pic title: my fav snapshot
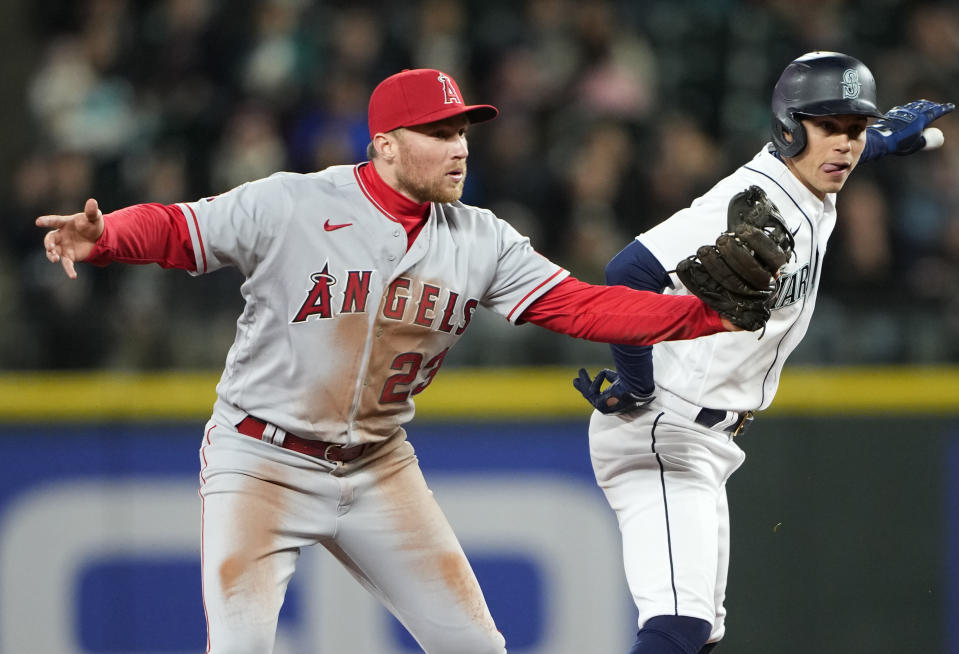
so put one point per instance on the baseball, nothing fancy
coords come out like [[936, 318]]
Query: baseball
[[934, 138]]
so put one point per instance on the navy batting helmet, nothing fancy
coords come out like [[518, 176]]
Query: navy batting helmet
[[819, 84]]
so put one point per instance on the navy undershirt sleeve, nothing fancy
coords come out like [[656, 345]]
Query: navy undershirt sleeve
[[636, 267]]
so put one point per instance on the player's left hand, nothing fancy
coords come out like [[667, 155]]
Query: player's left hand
[[615, 399], [905, 129]]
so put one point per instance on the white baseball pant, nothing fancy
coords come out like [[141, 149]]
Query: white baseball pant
[[262, 503], [665, 477]]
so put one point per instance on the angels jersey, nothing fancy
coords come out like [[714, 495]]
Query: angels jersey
[[343, 323]]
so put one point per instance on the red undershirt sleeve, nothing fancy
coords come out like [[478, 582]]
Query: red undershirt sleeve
[[145, 233], [617, 314]]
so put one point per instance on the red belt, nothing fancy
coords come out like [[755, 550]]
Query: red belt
[[335, 452]]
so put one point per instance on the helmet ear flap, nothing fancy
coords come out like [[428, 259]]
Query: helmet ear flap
[[788, 124]]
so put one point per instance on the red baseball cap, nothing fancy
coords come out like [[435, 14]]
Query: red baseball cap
[[422, 95]]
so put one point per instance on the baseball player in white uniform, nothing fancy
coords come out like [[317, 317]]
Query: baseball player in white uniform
[[663, 436], [358, 280]]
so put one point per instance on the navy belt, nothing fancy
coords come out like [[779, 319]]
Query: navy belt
[[335, 452], [709, 418]]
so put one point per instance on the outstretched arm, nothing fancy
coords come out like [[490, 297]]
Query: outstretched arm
[[616, 314], [72, 238], [140, 234], [905, 130]]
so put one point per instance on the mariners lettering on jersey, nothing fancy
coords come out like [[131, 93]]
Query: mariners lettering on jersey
[[449, 93], [791, 286], [427, 310]]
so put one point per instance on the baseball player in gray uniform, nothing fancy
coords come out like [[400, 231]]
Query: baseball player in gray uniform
[[662, 437], [358, 280]]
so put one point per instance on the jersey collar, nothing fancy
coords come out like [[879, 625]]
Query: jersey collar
[[393, 204]]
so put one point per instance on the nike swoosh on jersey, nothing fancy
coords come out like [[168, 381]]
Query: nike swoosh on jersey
[[328, 226]]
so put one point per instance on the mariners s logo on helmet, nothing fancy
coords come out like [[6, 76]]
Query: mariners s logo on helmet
[[450, 96], [851, 85]]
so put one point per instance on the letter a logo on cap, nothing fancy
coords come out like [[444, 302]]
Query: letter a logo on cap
[[450, 96], [410, 98]]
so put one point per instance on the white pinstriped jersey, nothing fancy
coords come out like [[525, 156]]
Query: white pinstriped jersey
[[740, 371], [342, 325]]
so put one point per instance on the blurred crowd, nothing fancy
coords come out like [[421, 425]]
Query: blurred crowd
[[614, 114]]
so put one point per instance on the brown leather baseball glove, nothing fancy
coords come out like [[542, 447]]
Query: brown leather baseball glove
[[736, 276]]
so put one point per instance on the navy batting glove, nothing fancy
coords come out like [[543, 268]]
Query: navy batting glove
[[899, 132], [615, 399]]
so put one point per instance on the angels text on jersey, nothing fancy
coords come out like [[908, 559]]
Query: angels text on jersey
[[433, 307]]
